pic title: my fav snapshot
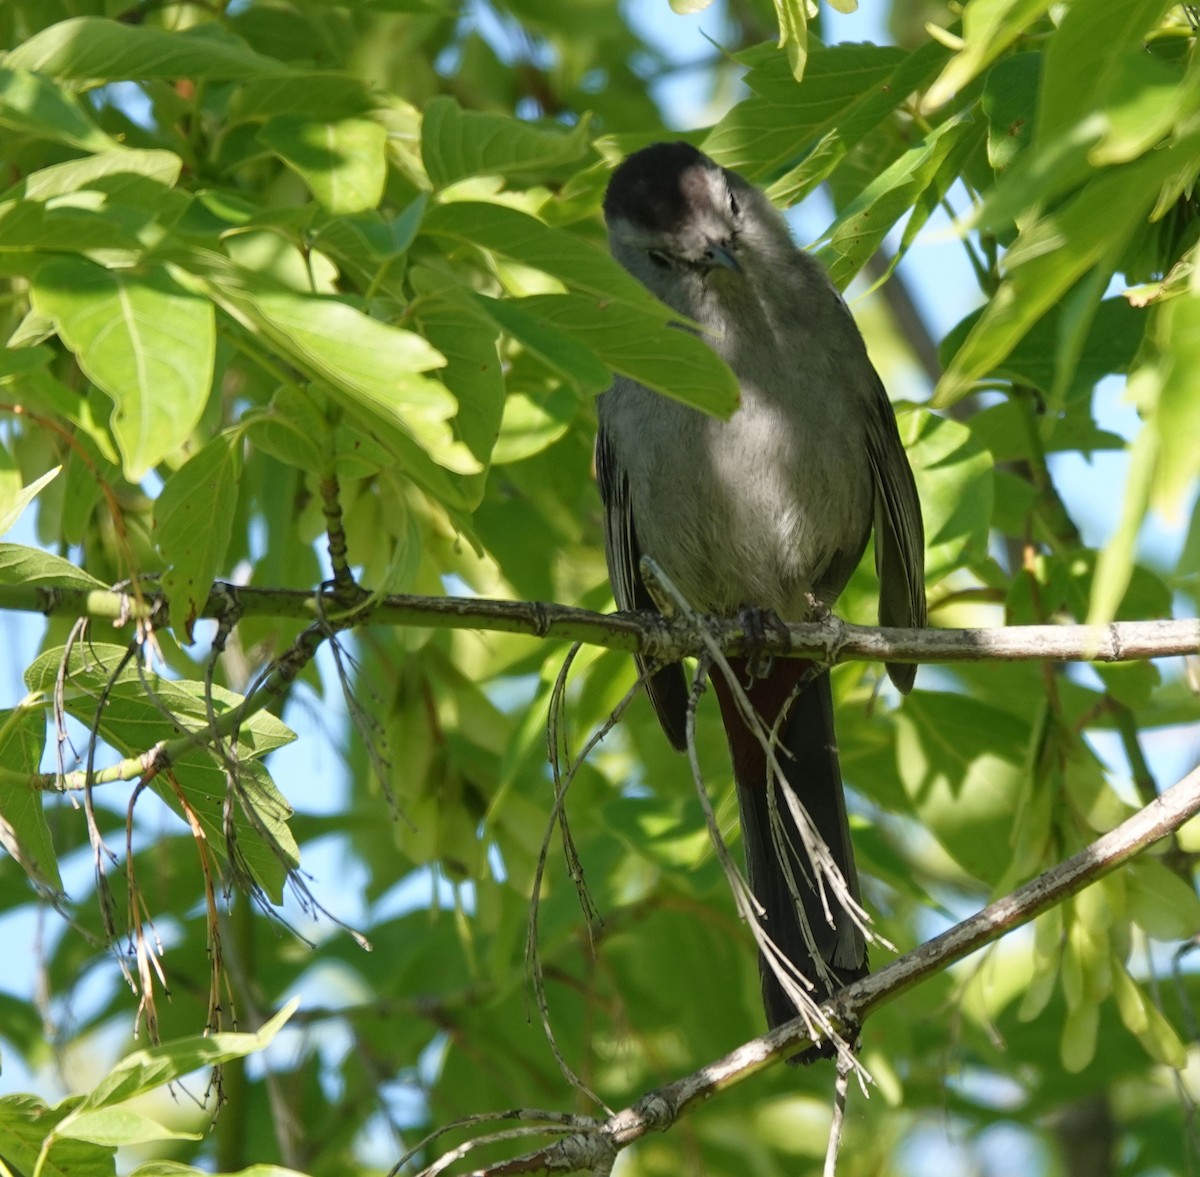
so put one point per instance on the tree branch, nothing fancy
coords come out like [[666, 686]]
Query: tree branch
[[830, 641], [659, 1109]]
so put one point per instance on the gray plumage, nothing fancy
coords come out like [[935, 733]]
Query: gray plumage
[[771, 509]]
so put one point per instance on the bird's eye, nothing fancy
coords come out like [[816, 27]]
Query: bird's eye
[[660, 258], [734, 207]]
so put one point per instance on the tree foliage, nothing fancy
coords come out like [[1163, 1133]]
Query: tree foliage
[[308, 294]]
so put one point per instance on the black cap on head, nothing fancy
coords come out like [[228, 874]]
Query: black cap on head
[[657, 186]]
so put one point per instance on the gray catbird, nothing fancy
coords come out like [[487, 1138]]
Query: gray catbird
[[768, 512]]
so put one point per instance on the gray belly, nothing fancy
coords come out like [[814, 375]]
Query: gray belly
[[755, 511]]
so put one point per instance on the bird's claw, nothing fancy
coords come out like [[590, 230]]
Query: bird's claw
[[755, 624]]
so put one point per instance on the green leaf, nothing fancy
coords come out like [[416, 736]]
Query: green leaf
[[23, 829], [291, 429], [88, 474], [116, 173], [807, 131], [672, 362], [953, 469], [175, 1169], [91, 47], [193, 522], [112, 207], [560, 352], [264, 845], [456, 143], [1080, 65], [19, 361], [1145, 100], [31, 566], [1176, 419], [26, 1121], [320, 94], [1131, 683], [1077, 1046], [531, 425], [962, 764], [14, 497], [33, 105], [451, 321], [372, 369], [793, 33], [146, 1070], [343, 162], [141, 709], [145, 340], [118, 1127], [1009, 102], [989, 28], [1051, 255], [525, 239], [861, 228], [1112, 341], [1165, 907]]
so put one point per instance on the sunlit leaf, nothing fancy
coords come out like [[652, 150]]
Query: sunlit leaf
[[156, 1066], [862, 226], [527, 240], [33, 105], [793, 33], [376, 371], [962, 765], [1176, 420], [989, 27], [92, 47], [1049, 257], [145, 340], [953, 470], [342, 162], [1080, 64], [118, 1127], [457, 143], [28, 566], [14, 497]]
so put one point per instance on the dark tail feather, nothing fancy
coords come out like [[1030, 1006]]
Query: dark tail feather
[[808, 755]]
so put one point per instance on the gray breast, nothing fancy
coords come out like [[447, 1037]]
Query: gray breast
[[759, 510]]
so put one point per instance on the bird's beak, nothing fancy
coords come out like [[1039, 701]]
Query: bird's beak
[[718, 255]]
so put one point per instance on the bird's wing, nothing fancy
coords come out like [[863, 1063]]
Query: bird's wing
[[666, 685], [899, 531]]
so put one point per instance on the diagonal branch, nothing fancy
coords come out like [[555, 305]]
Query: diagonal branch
[[658, 1110]]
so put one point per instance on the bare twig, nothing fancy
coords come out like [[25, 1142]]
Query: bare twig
[[562, 782]]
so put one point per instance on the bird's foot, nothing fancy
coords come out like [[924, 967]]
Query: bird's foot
[[756, 623]]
